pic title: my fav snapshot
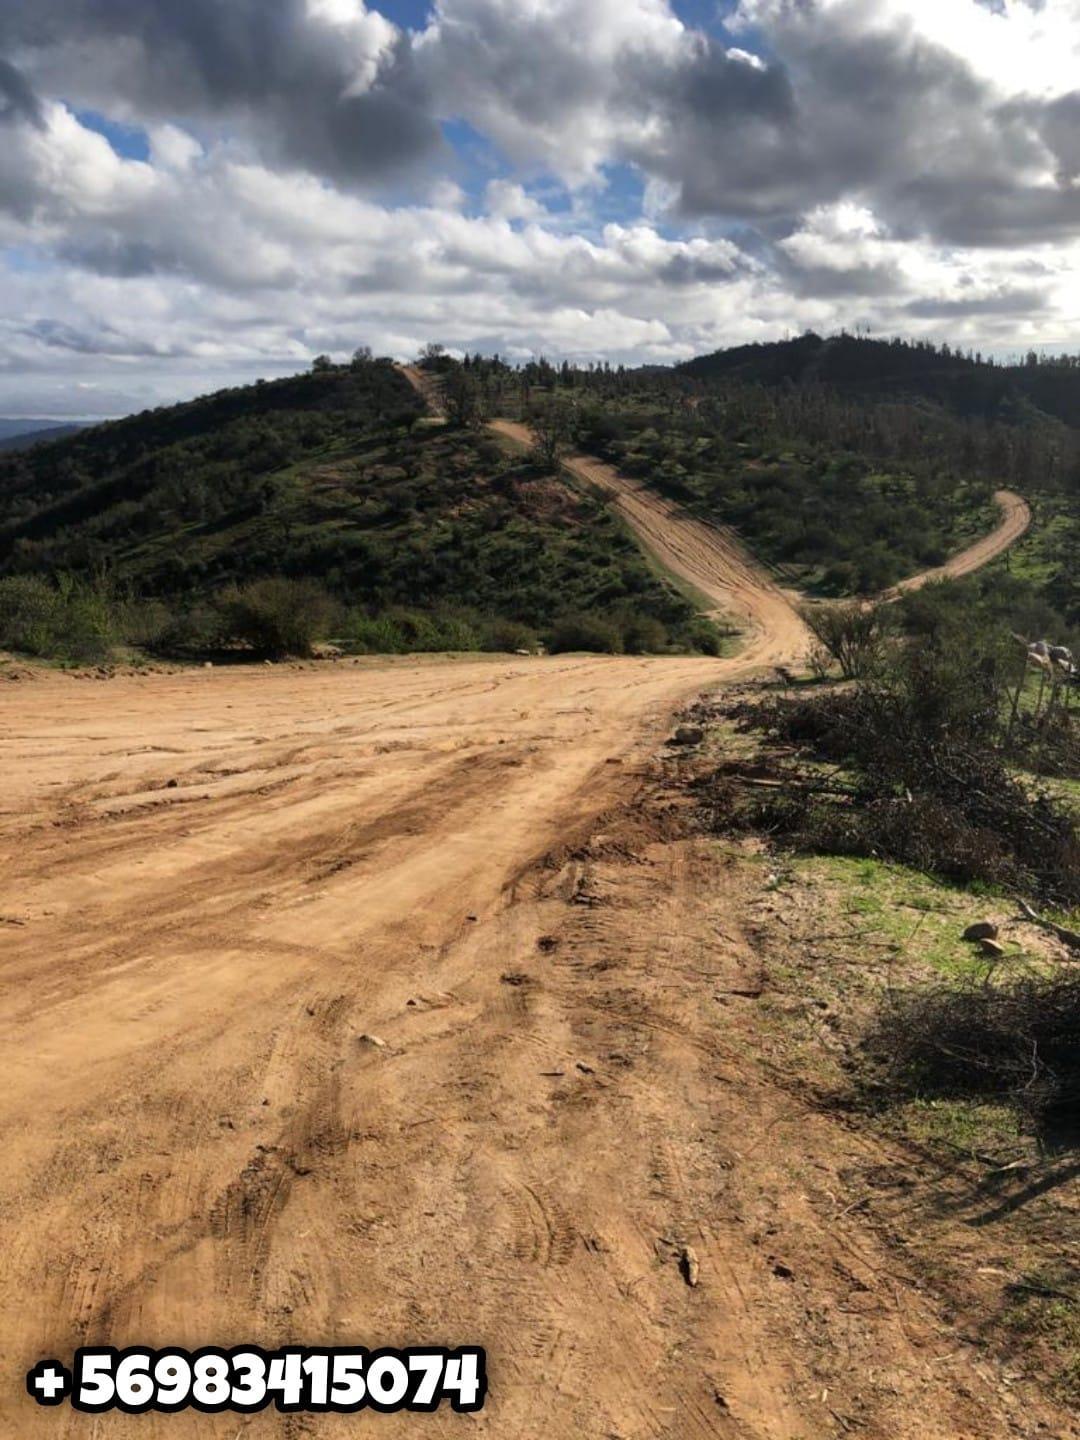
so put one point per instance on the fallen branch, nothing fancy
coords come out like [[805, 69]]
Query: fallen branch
[[1067, 937]]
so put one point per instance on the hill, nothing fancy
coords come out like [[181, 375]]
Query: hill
[[965, 384], [329, 477], [21, 434]]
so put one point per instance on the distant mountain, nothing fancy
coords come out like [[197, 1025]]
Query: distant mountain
[[886, 369], [20, 434]]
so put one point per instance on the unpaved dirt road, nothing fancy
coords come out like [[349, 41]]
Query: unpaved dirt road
[[1015, 522], [707, 557], [715, 563], [218, 886]]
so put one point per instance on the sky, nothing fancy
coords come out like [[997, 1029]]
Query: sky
[[196, 193]]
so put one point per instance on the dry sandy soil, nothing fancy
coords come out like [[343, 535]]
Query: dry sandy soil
[[360, 1004]]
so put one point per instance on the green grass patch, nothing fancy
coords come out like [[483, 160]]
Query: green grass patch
[[904, 912]]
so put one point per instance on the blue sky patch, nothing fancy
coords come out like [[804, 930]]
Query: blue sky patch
[[128, 141]]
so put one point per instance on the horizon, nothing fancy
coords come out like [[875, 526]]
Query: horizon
[[1012, 360]]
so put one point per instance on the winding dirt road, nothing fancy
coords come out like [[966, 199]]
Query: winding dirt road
[[708, 557], [713, 560], [326, 1023], [1015, 522]]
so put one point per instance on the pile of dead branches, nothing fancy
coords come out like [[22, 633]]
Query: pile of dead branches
[[1017, 1041], [878, 772]]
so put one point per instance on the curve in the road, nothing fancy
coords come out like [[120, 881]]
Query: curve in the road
[[705, 556], [1015, 522], [715, 562]]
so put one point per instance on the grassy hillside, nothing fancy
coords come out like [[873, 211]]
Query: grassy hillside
[[831, 519], [329, 477], [845, 463], [952, 422]]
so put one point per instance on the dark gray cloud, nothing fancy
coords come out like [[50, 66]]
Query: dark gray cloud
[[881, 115], [727, 134], [858, 280], [17, 98], [342, 100], [841, 107], [1014, 302]]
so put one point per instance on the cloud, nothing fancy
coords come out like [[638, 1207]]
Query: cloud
[[630, 185], [508, 200], [325, 84], [17, 99]]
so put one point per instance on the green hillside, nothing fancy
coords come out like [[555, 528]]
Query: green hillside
[[964, 383], [329, 477]]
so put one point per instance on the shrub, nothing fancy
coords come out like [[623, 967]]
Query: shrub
[[193, 631], [924, 775], [400, 631], [74, 620], [277, 616], [853, 635], [1018, 1040], [644, 635], [145, 622], [584, 632], [29, 614], [373, 635], [704, 637], [506, 636]]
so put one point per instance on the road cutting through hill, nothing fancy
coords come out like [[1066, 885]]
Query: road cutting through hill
[[316, 1033]]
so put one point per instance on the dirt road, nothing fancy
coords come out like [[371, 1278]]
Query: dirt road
[[707, 557], [356, 1004], [1015, 521]]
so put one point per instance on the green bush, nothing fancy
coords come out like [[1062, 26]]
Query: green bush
[[144, 622], [192, 631], [644, 635], [704, 637], [277, 616], [400, 631], [74, 620], [373, 635], [585, 632], [506, 636], [29, 612]]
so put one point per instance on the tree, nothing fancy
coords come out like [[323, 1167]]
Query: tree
[[432, 353], [362, 355], [321, 364], [852, 634], [463, 398], [553, 426]]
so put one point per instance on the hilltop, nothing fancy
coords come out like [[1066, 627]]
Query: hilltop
[[845, 464], [964, 383]]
